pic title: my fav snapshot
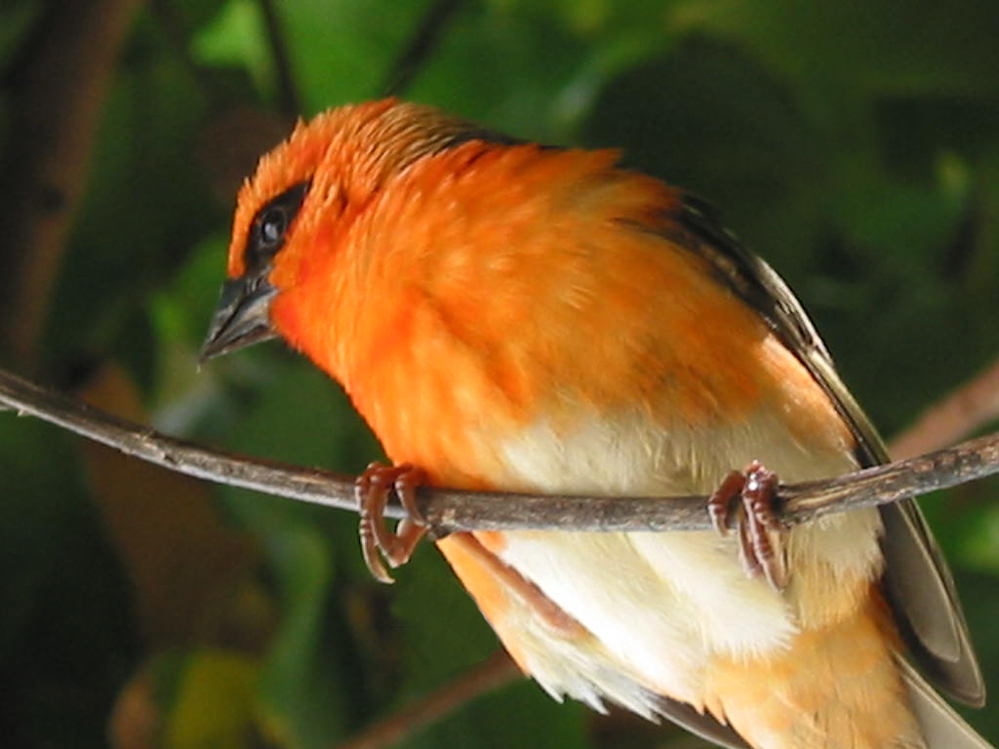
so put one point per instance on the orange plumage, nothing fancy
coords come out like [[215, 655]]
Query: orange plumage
[[511, 316]]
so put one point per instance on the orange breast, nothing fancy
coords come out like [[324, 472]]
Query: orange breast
[[486, 288]]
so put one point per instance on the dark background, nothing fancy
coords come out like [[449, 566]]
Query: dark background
[[855, 146]]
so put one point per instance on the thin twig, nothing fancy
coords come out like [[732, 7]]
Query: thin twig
[[450, 510], [971, 406], [491, 674], [409, 62], [289, 100]]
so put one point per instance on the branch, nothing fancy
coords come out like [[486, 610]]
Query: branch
[[288, 97], [420, 47], [449, 510], [968, 408], [55, 104], [494, 672]]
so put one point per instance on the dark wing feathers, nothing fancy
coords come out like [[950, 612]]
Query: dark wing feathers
[[702, 724], [917, 581], [921, 592]]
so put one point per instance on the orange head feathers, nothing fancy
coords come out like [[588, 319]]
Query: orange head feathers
[[377, 229], [512, 316]]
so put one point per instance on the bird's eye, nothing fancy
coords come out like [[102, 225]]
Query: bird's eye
[[271, 224]]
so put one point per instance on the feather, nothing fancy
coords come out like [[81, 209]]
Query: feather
[[918, 583]]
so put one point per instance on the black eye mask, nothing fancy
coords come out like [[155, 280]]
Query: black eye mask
[[243, 313], [270, 226]]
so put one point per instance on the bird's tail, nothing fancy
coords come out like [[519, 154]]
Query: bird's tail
[[942, 727]]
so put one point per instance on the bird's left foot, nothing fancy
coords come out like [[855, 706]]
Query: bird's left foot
[[752, 496], [372, 490]]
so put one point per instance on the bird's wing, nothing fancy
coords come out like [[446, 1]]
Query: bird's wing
[[701, 724], [942, 727], [917, 581]]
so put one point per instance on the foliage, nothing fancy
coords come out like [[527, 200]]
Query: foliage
[[854, 145]]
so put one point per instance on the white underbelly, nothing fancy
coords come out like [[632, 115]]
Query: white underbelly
[[664, 604]]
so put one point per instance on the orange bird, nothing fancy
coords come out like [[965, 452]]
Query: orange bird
[[518, 317]]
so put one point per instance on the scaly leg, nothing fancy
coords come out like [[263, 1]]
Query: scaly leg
[[372, 490], [752, 496]]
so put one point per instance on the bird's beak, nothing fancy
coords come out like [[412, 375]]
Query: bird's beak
[[241, 318]]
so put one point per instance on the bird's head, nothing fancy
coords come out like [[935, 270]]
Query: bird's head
[[304, 192]]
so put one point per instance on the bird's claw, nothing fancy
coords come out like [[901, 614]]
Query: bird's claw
[[751, 496], [373, 489]]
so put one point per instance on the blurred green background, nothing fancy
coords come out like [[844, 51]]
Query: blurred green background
[[854, 145]]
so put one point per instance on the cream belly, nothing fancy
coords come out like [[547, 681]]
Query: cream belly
[[661, 606]]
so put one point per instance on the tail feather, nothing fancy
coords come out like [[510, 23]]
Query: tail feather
[[942, 727]]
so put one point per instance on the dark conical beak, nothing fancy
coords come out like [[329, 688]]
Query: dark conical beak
[[242, 317]]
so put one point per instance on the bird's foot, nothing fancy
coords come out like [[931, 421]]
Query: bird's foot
[[372, 490], [751, 496]]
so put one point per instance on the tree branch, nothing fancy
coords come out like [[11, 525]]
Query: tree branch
[[421, 46], [491, 674], [968, 408], [449, 510], [55, 103], [288, 98]]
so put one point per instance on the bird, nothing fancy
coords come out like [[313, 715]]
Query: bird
[[515, 316]]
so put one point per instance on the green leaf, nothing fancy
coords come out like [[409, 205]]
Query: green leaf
[[213, 707], [342, 50], [236, 37]]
